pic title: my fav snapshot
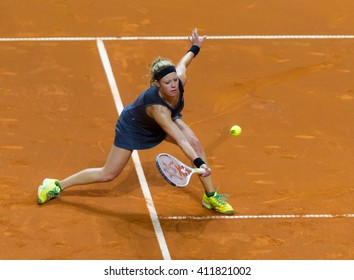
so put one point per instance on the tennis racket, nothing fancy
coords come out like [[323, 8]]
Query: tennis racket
[[174, 171]]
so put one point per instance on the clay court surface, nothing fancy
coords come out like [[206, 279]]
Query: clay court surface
[[293, 98]]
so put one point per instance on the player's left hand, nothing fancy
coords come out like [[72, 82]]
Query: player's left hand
[[207, 169], [195, 39]]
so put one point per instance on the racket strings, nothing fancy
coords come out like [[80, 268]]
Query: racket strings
[[173, 170]]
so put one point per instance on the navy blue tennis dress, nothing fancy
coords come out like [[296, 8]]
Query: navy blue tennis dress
[[135, 129]]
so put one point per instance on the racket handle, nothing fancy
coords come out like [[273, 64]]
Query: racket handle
[[200, 170]]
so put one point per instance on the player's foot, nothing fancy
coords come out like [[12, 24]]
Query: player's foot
[[217, 202], [49, 189]]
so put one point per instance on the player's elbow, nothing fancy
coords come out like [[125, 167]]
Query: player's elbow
[[182, 74]]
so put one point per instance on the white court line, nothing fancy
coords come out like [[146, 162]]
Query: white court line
[[236, 217], [135, 156], [169, 38]]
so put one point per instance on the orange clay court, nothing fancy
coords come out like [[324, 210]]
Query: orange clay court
[[289, 174]]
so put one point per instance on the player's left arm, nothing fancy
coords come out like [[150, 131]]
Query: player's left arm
[[163, 117], [184, 62]]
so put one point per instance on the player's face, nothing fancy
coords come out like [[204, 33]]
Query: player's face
[[169, 84]]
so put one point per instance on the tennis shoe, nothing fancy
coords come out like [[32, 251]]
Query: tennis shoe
[[49, 189], [217, 202]]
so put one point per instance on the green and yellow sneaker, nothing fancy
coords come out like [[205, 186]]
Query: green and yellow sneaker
[[49, 189], [217, 202]]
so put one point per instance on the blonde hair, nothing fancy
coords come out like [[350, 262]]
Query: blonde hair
[[157, 65]]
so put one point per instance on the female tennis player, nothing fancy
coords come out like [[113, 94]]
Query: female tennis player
[[153, 117]]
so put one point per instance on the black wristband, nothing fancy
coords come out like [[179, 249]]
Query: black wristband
[[198, 162], [194, 49]]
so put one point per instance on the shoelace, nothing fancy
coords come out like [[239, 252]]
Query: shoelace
[[53, 191], [220, 198]]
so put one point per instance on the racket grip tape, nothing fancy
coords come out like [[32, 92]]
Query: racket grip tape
[[200, 170]]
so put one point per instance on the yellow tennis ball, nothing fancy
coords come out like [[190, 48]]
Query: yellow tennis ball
[[235, 130]]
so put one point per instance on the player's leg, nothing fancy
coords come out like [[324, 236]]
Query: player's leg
[[115, 163]]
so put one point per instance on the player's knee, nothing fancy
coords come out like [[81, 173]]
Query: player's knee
[[108, 176]]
